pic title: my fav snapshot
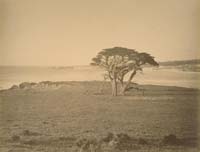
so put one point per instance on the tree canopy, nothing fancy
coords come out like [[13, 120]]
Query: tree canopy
[[118, 61]]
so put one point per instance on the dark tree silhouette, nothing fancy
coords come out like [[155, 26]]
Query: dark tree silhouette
[[118, 62]]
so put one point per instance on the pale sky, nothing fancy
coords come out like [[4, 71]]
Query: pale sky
[[71, 32]]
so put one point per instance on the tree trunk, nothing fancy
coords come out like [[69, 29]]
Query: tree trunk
[[121, 87], [114, 87], [125, 87]]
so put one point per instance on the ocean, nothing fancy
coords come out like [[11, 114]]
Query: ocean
[[10, 75]]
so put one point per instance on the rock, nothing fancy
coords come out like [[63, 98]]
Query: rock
[[25, 85], [14, 87]]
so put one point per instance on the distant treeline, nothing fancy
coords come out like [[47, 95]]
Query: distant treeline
[[181, 62]]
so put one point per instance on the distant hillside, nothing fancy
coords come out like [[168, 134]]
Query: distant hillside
[[180, 62], [184, 65]]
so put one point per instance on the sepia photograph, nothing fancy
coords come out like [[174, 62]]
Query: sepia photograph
[[99, 76]]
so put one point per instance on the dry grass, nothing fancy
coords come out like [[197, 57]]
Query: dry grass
[[55, 119]]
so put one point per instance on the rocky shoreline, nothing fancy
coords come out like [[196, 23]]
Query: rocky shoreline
[[39, 85]]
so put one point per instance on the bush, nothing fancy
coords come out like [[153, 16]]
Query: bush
[[142, 141], [15, 138], [108, 138], [89, 145], [170, 140]]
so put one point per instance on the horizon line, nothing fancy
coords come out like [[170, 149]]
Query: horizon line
[[89, 64]]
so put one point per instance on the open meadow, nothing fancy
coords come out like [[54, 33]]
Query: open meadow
[[83, 116]]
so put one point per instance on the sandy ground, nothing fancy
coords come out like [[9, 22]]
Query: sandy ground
[[56, 119]]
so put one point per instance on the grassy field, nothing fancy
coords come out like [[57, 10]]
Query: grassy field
[[83, 116]]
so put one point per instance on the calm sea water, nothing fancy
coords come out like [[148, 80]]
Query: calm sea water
[[171, 77]]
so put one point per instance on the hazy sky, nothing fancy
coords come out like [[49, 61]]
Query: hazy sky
[[71, 32]]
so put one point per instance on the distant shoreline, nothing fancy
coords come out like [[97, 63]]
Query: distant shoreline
[[57, 84], [162, 63], [183, 76], [182, 65]]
